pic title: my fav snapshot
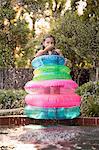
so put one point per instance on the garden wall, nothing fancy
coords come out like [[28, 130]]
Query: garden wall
[[17, 77], [14, 78]]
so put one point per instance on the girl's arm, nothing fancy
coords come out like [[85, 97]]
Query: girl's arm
[[41, 52]]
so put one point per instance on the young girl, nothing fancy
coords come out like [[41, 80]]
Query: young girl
[[48, 47]]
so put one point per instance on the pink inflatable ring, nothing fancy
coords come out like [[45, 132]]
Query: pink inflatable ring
[[53, 101], [48, 83]]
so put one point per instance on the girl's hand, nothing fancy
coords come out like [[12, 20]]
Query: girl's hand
[[49, 47]]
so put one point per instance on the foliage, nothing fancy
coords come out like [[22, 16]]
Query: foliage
[[6, 14], [90, 11], [75, 35], [78, 39], [12, 98], [15, 35], [89, 93]]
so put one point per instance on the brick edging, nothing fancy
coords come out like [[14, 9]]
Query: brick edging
[[17, 120]]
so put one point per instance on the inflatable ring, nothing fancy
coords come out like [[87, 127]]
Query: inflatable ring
[[53, 101], [51, 113], [49, 90], [47, 60], [50, 87], [61, 83], [51, 76], [52, 68]]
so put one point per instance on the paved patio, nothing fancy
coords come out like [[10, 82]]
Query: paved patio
[[36, 137]]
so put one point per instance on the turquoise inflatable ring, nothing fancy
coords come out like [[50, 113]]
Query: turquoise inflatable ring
[[47, 60], [51, 113]]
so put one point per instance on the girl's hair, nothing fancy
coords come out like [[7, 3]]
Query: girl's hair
[[47, 36]]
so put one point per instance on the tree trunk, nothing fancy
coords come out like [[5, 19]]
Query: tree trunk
[[97, 73], [97, 69]]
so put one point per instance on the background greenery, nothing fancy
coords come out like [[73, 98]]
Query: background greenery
[[89, 93], [12, 98], [76, 35]]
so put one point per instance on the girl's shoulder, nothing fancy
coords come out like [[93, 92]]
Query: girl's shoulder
[[59, 51]]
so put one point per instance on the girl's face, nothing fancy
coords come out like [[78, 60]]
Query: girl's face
[[48, 41]]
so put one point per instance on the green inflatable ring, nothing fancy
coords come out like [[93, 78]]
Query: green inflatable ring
[[51, 76], [52, 68], [51, 113]]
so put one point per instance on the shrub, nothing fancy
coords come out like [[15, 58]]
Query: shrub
[[89, 93], [12, 98]]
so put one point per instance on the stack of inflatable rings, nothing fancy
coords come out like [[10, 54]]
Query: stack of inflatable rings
[[51, 69]]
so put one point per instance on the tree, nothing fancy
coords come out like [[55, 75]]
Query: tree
[[91, 9], [14, 33], [78, 39]]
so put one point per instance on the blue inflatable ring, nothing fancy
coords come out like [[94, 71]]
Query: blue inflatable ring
[[47, 60]]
